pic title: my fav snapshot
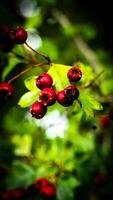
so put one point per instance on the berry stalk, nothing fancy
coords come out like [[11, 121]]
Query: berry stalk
[[37, 52], [24, 71]]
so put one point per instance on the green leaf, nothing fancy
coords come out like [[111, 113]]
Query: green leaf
[[87, 74], [22, 175], [30, 83], [19, 142], [28, 98], [89, 103], [35, 20], [12, 63], [49, 45], [107, 87], [66, 187], [59, 75]]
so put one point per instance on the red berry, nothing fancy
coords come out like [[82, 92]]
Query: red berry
[[6, 90], [104, 121], [38, 110], [68, 95], [63, 99], [15, 194], [6, 47], [47, 96], [48, 191], [40, 183], [72, 92], [74, 74], [5, 31], [6, 43], [111, 114], [44, 81], [20, 36]]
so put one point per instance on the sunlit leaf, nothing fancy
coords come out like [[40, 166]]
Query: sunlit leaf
[[28, 98], [12, 64], [87, 74], [20, 148], [89, 103], [30, 83], [59, 75], [107, 87]]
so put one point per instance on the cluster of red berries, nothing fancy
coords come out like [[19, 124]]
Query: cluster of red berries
[[49, 96], [105, 120], [41, 187], [9, 37], [45, 189], [6, 90]]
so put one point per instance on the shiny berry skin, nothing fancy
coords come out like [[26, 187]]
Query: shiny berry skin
[[72, 92], [5, 48], [5, 33], [44, 81], [74, 74], [63, 99], [47, 96], [48, 191], [40, 183], [111, 114], [6, 90], [20, 36], [68, 95], [104, 121], [6, 43], [38, 110]]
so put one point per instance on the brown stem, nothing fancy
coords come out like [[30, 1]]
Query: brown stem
[[94, 80], [26, 70], [37, 52], [79, 103], [78, 40]]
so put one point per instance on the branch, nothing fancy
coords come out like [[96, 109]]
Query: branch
[[79, 42]]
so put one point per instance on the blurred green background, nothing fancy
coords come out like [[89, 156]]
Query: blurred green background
[[65, 147]]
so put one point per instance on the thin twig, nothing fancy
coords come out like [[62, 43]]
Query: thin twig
[[26, 70], [94, 80], [79, 42], [37, 52]]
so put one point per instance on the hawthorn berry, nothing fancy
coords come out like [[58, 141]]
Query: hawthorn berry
[[72, 92], [20, 35], [38, 110], [63, 99], [111, 114], [5, 48], [47, 96], [6, 90], [74, 74], [68, 95], [6, 32], [48, 191], [44, 81], [104, 121], [43, 187], [40, 183]]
